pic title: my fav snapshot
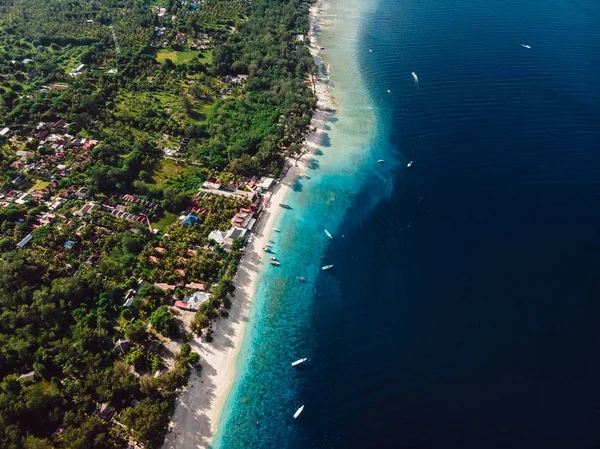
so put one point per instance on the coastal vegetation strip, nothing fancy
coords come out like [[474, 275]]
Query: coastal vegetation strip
[[133, 137]]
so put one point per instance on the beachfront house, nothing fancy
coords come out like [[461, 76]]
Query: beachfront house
[[265, 184], [226, 238], [194, 301]]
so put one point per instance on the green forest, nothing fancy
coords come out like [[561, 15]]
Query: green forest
[[113, 115]]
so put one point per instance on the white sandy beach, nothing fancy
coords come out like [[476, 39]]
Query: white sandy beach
[[199, 406]]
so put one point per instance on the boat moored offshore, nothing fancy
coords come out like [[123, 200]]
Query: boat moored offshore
[[326, 267], [299, 361], [285, 206], [298, 412]]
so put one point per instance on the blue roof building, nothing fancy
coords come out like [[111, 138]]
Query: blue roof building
[[189, 219]]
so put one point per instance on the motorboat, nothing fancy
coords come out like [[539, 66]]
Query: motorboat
[[299, 361], [298, 412], [326, 267], [328, 234]]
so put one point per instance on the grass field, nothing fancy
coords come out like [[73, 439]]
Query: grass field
[[178, 57], [164, 220], [167, 169], [39, 185]]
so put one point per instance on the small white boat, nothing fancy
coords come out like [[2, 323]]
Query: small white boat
[[415, 76], [274, 262], [298, 412], [300, 278], [276, 230], [328, 234], [409, 164], [326, 267], [305, 176], [389, 91], [370, 51], [381, 161], [299, 361], [273, 258], [525, 46]]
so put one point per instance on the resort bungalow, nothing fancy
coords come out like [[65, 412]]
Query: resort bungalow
[[196, 285], [77, 71], [188, 219], [265, 184], [181, 305], [194, 301], [122, 346], [30, 376], [163, 286], [244, 219], [25, 241], [105, 412], [226, 239], [129, 296]]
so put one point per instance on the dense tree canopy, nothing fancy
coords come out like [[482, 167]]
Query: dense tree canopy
[[164, 100]]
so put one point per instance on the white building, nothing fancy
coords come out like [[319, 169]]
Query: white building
[[194, 301], [226, 238], [265, 184]]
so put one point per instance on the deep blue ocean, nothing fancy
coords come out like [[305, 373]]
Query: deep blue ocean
[[464, 309]]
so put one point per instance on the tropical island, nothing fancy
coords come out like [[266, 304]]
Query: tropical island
[[139, 143]]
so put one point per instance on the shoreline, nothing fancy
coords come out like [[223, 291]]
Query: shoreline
[[199, 406]]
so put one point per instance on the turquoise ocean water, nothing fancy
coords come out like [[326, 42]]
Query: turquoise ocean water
[[258, 412]]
